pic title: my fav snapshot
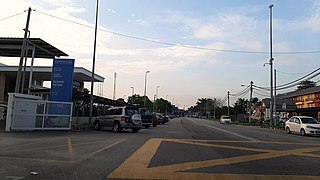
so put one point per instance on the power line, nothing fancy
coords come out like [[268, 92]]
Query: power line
[[241, 92], [13, 15], [181, 45], [294, 82]]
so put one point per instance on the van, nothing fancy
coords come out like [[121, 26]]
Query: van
[[119, 118]]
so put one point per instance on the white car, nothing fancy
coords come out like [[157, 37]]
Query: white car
[[302, 124], [225, 120]]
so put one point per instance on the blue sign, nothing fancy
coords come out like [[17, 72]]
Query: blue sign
[[62, 80]]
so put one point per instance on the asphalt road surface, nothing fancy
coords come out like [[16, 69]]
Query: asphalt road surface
[[184, 148]]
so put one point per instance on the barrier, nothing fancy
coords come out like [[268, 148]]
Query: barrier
[[27, 112]]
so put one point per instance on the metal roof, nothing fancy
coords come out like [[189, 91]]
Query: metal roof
[[302, 92], [11, 47], [44, 73]]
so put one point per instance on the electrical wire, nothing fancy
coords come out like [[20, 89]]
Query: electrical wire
[[13, 15], [294, 82], [180, 45], [245, 91]]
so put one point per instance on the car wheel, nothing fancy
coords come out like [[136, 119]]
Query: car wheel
[[288, 130], [116, 127], [96, 125], [302, 132], [135, 130]]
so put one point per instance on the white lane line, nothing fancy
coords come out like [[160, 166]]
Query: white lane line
[[233, 133]]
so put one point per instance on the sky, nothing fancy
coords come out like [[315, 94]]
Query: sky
[[193, 49]]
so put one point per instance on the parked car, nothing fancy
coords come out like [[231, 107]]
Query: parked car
[[119, 118], [225, 120], [302, 124], [162, 118], [148, 118]]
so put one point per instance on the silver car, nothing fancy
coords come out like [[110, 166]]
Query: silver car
[[302, 124], [225, 120], [120, 118]]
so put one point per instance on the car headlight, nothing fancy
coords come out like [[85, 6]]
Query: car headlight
[[310, 127]]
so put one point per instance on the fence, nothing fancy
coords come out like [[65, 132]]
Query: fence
[[29, 113]]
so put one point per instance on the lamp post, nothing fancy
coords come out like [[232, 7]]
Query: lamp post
[[157, 92], [271, 70], [132, 91], [145, 86], [157, 96]]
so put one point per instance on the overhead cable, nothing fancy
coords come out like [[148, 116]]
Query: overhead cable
[[13, 15], [182, 45]]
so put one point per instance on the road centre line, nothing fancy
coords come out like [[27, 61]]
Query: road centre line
[[233, 133]]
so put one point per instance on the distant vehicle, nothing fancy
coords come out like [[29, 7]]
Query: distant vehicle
[[120, 118], [162, 118], [225, 120], [148, 118], [304, 125]]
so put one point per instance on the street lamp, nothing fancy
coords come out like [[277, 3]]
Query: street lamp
[[132, 92], [157, 97], [145, 86], [157, 92]]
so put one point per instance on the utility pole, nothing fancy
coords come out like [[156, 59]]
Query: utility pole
[[114, 85], [250, 108], [93, 62], [271, 70], [275, 92], [228, 103], [23, 49]]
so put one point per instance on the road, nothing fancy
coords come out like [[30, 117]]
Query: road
[[184, 148]]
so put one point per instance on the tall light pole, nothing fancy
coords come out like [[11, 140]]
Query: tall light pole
[[157, 91], [93, 63], [114, 85], [132, 91], [271, 70], [157, 97], [145, 86]]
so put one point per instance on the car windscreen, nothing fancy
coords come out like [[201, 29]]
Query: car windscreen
[[131, 111], [309, 121], [225, 117]]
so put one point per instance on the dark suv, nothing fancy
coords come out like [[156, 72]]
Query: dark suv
[[119, 118], [148, 118]]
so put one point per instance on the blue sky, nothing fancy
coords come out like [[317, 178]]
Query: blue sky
[[183, 74]]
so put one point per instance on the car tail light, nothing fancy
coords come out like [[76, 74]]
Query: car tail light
[[123, 118]]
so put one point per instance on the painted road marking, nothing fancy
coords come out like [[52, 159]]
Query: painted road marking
[[137, 165], [223, 130], [66, 161]]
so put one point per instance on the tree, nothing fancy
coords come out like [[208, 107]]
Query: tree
[[241, 106], [306, 84], [142, 101]]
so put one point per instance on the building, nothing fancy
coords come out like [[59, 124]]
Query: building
[[307, 101]]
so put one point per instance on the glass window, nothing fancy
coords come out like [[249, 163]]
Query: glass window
[[131, 111], [309, 120]]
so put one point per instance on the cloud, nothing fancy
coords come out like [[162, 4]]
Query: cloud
[[314, 20]]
